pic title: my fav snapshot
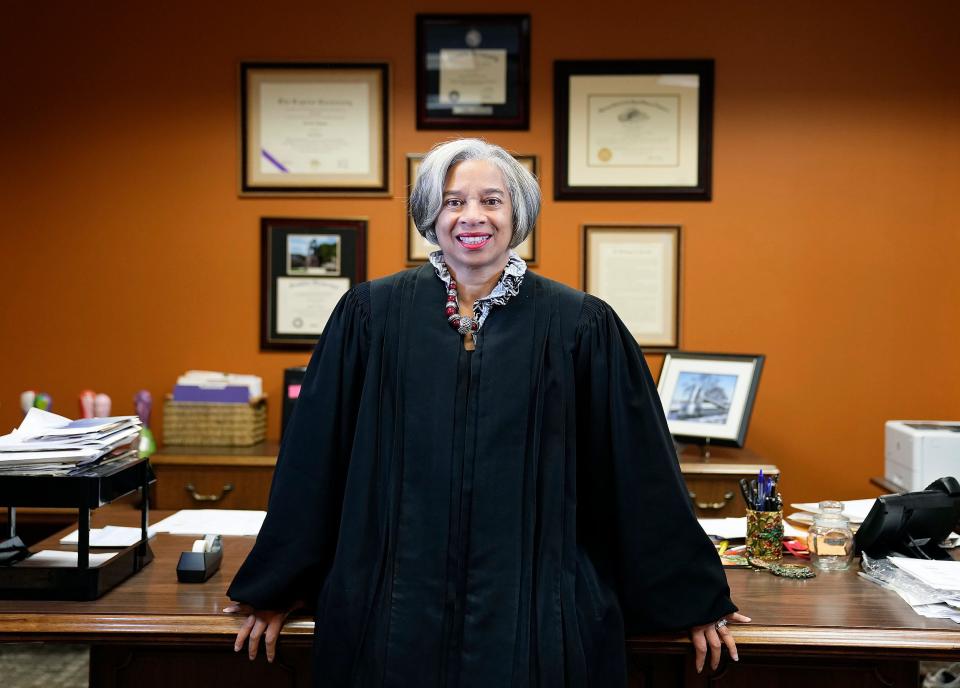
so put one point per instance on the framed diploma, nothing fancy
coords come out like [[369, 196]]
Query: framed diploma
[[313, 128], [708, 398], [419, 249], [633, 130], [636, 269], [306, 266], [473, 71]]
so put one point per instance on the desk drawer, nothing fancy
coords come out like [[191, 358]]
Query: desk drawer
[[212, 487], [715, 496]]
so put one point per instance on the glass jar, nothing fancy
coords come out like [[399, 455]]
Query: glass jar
[[830, 540]]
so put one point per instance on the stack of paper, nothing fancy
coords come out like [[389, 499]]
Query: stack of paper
[[212, 522], [855, 510], [931, 587], [109, 536], [48, 443]]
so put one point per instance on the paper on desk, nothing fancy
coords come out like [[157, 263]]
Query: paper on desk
[[942, 575], [854, 509], [40, 423], [737, 528], [212, 522], [53, 557], [110, 536], [937, 611]]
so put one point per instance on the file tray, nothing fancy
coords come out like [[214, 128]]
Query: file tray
[[86, 489]]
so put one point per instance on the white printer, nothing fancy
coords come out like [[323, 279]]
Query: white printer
[[917, 452]]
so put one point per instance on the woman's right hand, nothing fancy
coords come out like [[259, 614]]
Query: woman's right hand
[[260, 623]]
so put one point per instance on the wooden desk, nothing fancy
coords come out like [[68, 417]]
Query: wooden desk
[[834, 630]]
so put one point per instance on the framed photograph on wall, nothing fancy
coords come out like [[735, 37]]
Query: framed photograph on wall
[[306, 266], [473, 71], [633, 130], [419, 249], [708, 398], [637, 270], [314, 128]]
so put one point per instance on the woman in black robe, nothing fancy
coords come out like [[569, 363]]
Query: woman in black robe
[[477, 486]]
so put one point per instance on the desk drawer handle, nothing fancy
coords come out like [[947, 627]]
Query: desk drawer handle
[[711, 506], [227, 488]]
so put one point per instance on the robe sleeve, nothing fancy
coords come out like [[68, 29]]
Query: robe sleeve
[[634, 515], [294, 549]]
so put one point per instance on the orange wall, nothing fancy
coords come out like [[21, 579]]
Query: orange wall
[[831, 244]]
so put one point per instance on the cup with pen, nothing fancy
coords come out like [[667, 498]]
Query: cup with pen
[[764, 518]]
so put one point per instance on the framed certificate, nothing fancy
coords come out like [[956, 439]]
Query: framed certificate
[[310, 128], [306, 266], [473, 71], [419, 249], [636, 269], [633, 130]]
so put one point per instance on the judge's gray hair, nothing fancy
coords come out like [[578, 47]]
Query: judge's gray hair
[[426, 197]]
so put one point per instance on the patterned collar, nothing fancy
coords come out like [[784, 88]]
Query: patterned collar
[[507, 287]]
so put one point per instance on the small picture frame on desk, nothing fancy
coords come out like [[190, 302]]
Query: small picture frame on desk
[[307, 265], [633, 130], [708, 398], [314, 129], [473, 71], [637, 270], [419, 249]]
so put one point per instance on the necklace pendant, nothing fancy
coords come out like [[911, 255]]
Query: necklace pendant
[[466, 325]]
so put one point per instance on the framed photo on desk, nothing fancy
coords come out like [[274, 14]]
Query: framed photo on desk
[[708, 398], [307, 265]]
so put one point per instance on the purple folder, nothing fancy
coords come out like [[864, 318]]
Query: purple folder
[[231, 394]]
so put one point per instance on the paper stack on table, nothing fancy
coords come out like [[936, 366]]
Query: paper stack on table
[[212, 522], [855, 510], [48, 443], [109, 536], [931, 587]]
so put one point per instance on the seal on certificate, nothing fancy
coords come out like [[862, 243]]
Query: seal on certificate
[[604, 155]]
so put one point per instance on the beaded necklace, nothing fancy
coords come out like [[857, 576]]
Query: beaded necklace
[[461, 323]]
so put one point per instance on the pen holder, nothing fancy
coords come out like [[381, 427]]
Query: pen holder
[[764, 535]]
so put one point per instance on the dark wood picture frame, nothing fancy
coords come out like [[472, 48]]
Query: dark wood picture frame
[[700, 363], [436, 32], [701, 190], [350, 270], [327, 183]]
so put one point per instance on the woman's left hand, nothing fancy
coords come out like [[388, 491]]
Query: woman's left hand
[[715, 635]]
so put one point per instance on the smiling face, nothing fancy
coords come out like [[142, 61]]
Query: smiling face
[[475, 224]]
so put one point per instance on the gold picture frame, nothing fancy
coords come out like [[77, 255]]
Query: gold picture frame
[[314, 128], [637, 270]]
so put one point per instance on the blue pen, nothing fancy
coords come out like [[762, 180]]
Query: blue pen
[[761, 489]]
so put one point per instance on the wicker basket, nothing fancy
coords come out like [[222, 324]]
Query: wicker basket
[[211, 424]]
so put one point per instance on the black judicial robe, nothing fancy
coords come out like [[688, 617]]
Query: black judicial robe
[[492, 518]]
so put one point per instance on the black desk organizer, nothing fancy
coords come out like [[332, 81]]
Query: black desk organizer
[[90, 489]]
